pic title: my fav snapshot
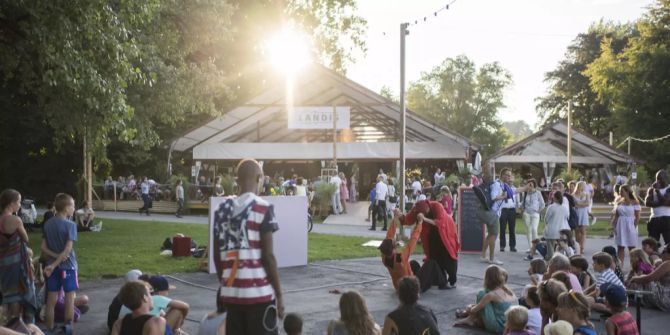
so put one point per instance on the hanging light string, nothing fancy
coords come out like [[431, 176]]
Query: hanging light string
[[658, 139], [425, 18]]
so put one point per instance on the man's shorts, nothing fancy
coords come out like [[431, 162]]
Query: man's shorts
[[490, 219], [65, 279]]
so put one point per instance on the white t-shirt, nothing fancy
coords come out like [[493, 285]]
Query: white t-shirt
[[381, 190], [439, 178], [589, 190], [337, 182], [661, 210], [180, 192], [416, 187]]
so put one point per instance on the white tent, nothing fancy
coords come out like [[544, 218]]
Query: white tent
[[259, 128]]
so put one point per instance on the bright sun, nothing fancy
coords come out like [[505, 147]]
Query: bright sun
[[289, 51]]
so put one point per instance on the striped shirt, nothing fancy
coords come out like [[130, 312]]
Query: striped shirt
[[238, 225], [607, 276]]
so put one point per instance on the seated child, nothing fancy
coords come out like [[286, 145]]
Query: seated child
[[536, 270], [492, 302], [565, 245], [532, 299], [621, 322], [639, 264], [558, 328], [602, 265], [580, 268], [214, 323], [516, 320], [293, 324], [650, 247], [616, 264]]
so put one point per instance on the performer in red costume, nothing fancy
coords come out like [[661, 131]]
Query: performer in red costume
[[438, 233]]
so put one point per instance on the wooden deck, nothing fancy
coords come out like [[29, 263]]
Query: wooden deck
[[161, 206]]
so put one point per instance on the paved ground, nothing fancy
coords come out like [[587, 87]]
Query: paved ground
[[307, 288]]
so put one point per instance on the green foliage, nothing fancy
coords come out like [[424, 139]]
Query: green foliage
[[573, 175], [643, 177], [228, 184], [459, 96], [569, 83], [517, 130], [452, 178], [324, 191], [634, 83]]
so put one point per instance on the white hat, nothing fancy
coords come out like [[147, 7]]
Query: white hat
[[133, 275]]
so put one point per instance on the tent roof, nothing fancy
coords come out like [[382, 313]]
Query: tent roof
[[374, 119], [550, 145]]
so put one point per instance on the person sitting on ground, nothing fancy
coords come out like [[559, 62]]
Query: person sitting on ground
[[115, 306], [657, 282], [438, 235], [293, 324], [516, 319], [565, 246], [548, 291], [215, 323], [410, 317], [532, 300], [556, 220], [621, 322], [85, 216], [536, 271], [135, 294], [492, 302], [562, 263], [650, 247], [573, 307], [639, 265], [579, 266], [174, 311], [602, 265], [563, 278], [559, 327], [397, 263], [354, 317], [616, 264]]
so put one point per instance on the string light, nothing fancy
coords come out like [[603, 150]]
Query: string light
[[425, 18], [644, 140]]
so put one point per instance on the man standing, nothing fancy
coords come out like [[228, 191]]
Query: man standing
[[488, 217], [658, 198], [146, 198], [179, 193], [381, 192], [502, 194], [335, 199], [245, 262]]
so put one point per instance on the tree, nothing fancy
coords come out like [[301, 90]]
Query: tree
[[517, 129], [635, 84], [569, 84], [388, 93], [457, 95]]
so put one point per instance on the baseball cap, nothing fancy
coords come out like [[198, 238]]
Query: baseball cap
[[160, 283], [614, 294], [133, 275]]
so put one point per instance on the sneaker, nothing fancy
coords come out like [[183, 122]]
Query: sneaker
[[595, 219], [528, 258], [512, 249], [373, 229], [496, 262], [502, 249], [484, 260], [384, 229]]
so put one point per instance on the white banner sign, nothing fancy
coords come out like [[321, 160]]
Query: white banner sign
[[318, 117]]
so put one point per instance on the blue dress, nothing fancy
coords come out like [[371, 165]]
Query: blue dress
[[493, 314], [582, 212]]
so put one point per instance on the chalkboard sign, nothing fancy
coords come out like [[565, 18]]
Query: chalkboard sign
[[470, 229]]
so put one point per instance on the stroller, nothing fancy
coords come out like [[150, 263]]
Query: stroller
[[28, 214]]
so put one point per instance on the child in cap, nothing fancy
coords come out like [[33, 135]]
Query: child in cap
[[621, 322], [293, 324], [115, 306], [516, 320]]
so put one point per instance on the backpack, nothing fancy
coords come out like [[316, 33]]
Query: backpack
[[485, 187], [572, 220]]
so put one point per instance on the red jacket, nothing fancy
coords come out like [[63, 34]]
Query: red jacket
[[443, 222]]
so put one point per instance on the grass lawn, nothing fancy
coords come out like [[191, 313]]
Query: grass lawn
[[125, 245], [599, 229]]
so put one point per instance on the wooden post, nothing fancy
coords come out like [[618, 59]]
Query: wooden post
[[570, 137], [335, 136], [403, 133]]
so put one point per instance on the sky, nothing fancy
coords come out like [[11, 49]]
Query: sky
[[527, 37]]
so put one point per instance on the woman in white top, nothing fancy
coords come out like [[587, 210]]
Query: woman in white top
[[392, 201], [582, 201], [532, 203], [300, 188], [556, 219], [626, 218]]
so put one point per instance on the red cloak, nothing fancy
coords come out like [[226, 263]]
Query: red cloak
[[443, 223]]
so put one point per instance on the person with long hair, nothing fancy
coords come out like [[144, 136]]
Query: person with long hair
[[354, 317], [574, 307], [344, 192], [626, 218], [658, 198], [582, 201], [492, 302], [17, 281], [548, 291], [532, 203], [657, 282]]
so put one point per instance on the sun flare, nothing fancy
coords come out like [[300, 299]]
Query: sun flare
[[289, 51]]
